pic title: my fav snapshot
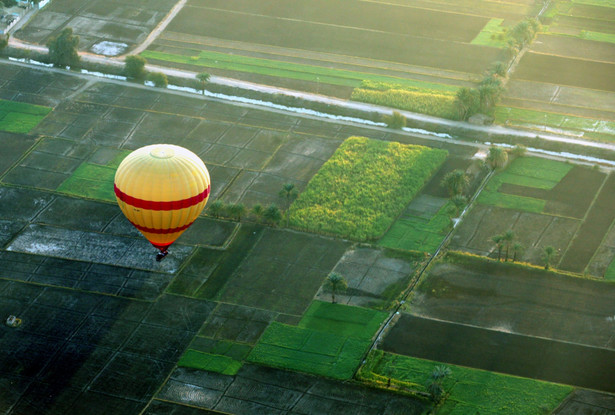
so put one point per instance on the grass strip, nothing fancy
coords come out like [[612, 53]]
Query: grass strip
[[363, 187], [282, 69], [470, 390], [211, 362], [536, 119]]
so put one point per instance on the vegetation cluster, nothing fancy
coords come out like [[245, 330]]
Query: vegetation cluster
[[363, 188]]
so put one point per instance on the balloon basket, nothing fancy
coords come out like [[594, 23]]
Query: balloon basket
[[161, 255]]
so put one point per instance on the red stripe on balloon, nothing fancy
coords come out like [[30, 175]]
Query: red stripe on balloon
[[161, 231], [152, 205]]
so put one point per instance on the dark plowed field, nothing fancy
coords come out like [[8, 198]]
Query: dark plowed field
[[566, 71], [530, 357], [592, 231], [574, 47], [331, 38]]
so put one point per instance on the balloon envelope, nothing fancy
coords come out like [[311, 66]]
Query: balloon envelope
[[162, 189]]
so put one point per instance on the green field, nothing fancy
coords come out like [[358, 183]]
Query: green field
[[330, 340], [597, 129], [93, 180], [524, 171], [491, 35], [418, 233], [220, 356], [281, 69], [19, 117], [363, 187], [346, 321], [211, 362], [472, 391]]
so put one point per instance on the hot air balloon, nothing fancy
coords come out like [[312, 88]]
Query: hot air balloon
[[162, 189]]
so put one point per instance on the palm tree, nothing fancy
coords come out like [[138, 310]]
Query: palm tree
[[467, 102], [497, 158], [216, 208], [459, 202], [289, 193], [272, 214], [236, 210], [257, 211], [547, 255], [203, 78], [455, 181], [434, 384], [498, 240], [335, 282], [508, 238], [517, 250]]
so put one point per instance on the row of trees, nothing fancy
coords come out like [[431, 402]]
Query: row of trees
[[271, 215], [506, 242], [485, 96]]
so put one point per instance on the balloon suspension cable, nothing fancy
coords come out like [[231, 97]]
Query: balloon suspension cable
[[160, 255]]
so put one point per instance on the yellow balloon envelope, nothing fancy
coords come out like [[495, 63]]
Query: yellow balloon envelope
[[162, 189]]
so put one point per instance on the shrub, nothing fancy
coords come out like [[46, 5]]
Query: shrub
[[396, 120], [134, 67], [159, 79]]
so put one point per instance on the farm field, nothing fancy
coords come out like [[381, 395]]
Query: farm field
[[76, 269], [467, 386], [108, 28], [544, 203], [365, 185], [107, 327], [406, 44], [563, 84], [529, 357]]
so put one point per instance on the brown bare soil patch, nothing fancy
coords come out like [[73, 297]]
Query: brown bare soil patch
[[592, 231], [574, 47], [566, 71]]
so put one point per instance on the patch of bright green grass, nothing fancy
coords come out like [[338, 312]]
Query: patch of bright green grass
[[211, 362], [536, 119], [415, 233], [343, 320], [307, 350], [363, 187], [524, 171], [491, 35], [330, 340], [610, 271], [282, 69], [471, 391], [597, 36], [19, 117], [93, 180]]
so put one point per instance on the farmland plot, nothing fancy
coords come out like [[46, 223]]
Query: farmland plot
[[108, 28], [545, 203], [563, 85]]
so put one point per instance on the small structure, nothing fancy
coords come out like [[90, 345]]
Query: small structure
[[13, 321]]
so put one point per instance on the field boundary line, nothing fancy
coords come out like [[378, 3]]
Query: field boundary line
[[414, 281], [583, 219], [571, 57], [514, 333], [349, 57]]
